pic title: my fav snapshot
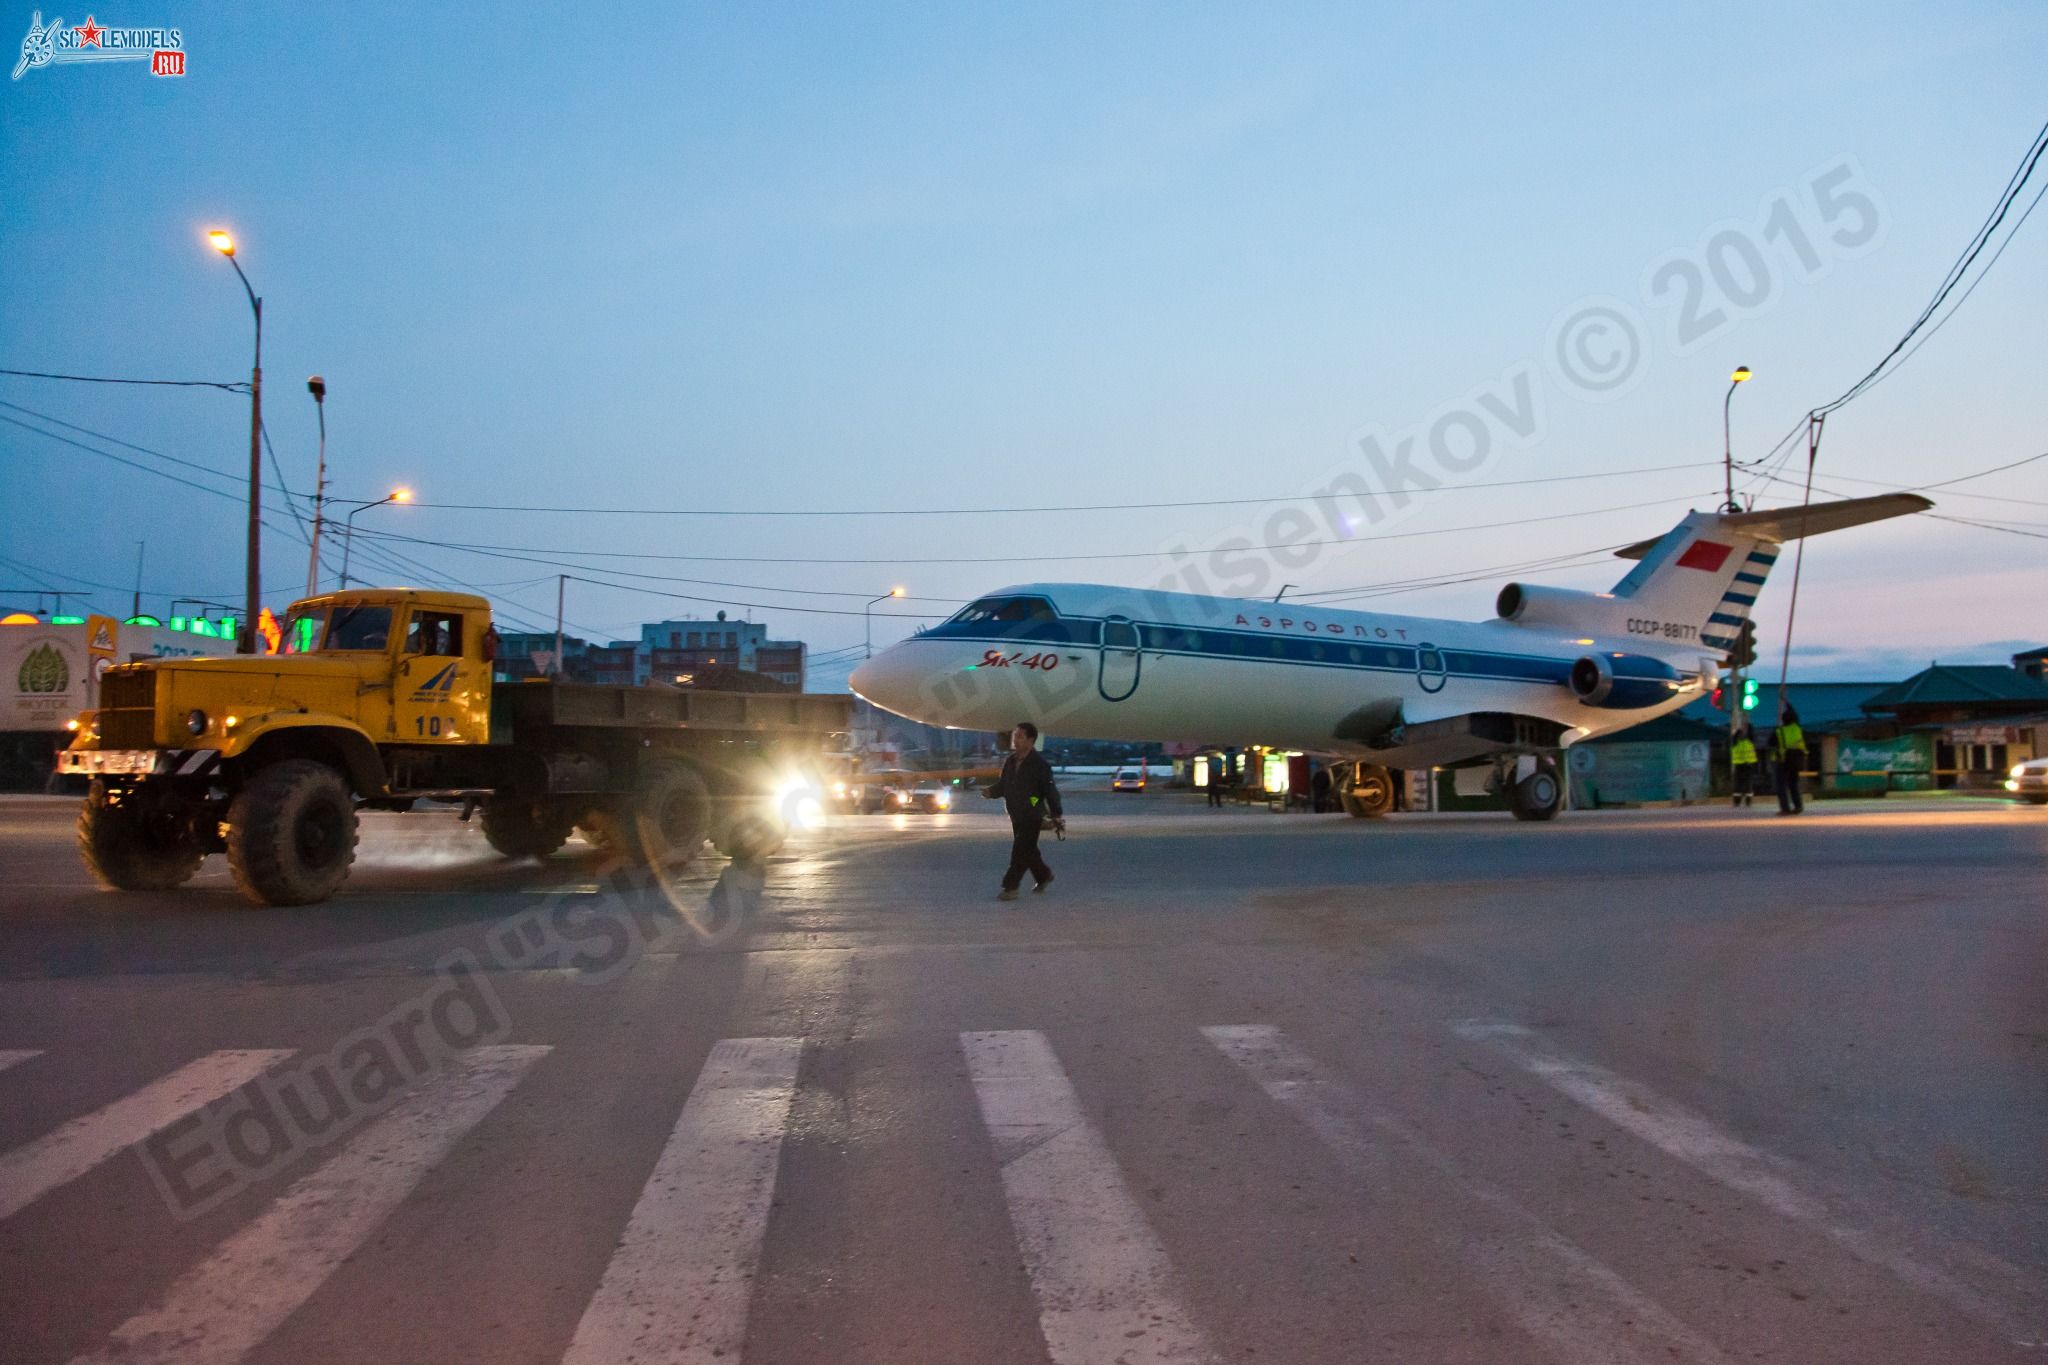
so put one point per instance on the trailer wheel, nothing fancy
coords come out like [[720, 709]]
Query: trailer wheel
[[292, 833], [523, 829], [1540, 795], [1370, 794], [670, 817], [129, 847]]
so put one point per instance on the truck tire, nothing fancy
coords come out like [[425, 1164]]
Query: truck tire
[[669, 818], [1370, 793], [126, 848], [292, 833], [523, 829], [1540, 795], [751, 839]]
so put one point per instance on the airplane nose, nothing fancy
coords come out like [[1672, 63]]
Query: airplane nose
[[882, 680]]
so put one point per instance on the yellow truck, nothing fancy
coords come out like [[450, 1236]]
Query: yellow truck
[[381, 698]]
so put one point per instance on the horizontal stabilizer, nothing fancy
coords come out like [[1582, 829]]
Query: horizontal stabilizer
[[1780, 524]]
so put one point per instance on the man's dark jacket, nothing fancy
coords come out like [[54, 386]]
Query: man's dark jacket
[[1026, 788]]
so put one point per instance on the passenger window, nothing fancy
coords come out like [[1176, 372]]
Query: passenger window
[[437, 633]]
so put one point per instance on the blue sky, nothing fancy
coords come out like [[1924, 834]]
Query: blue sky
[[874, 257]]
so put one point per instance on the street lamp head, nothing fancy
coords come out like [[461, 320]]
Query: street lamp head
[[318, 388], [401, 495], [895, 592], [1741, 373], [222, 241]]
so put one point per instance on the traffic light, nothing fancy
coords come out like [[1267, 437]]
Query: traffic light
[[1742, 653], [1749, 694], [1720, 697]]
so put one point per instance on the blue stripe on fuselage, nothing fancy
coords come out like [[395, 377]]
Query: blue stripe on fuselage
[[1253, 646]]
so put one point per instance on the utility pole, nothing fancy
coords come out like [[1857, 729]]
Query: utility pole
[[561, 592], [318, 388], [135, 608]]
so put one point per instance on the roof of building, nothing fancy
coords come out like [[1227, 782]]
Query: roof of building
[[1961, 685]]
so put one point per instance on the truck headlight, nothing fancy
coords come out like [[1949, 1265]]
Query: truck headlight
[[195, 721]]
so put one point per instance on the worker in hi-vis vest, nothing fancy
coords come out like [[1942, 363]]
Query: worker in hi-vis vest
[[1788, 755], [1742, 765]]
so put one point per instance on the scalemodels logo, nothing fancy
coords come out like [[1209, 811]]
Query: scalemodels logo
[[46, 45]]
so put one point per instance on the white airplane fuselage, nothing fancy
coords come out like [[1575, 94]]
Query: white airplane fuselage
[[1100, 662]]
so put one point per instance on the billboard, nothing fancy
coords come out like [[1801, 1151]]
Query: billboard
[[48, 674]]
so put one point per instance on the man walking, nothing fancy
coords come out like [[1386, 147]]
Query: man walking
[[1742, 765], [1788, 753], [1026, 788]]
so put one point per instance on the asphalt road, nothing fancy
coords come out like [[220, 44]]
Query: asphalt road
[[1689, 1086]]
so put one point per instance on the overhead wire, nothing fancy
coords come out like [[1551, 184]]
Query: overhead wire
[[232, 386]]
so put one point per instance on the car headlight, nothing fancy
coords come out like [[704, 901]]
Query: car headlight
[[2018, 770], [195, 721]]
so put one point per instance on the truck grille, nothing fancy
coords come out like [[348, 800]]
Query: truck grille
[[128, 709]]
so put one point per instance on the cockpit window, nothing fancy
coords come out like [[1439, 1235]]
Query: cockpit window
[[1007, 610]]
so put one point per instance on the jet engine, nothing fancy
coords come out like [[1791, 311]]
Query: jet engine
[[1624, 682]]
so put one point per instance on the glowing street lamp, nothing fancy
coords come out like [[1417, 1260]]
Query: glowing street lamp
[[245, 643], [868, 622], [1740, 376], [348, 525]]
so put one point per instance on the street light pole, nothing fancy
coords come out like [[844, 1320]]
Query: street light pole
[[318, 388], [1727, 447], [246, 637], [868, 622], [348, 524]]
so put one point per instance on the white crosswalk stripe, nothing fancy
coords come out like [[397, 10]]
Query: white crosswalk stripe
[[1560, 1294], [677, 1289], [16, 1056], [31, 1171], [1102, 1280], [1771, 1180], [221, 1309]]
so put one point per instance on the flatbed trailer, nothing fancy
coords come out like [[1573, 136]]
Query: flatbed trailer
[[385, 698]]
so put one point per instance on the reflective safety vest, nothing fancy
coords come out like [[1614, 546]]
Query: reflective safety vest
[[1790, 737], [1743, 751]]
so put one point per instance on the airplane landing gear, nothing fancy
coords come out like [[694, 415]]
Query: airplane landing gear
[[1536, 794], [1367, 791]]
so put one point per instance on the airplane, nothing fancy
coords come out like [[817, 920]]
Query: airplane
[[1373, 693]]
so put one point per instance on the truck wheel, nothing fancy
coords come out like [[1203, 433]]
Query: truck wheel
[[1371, 793], [751, 838], [292, 833], [670, 817], [1540, 795], [523, 829], [127, 847]]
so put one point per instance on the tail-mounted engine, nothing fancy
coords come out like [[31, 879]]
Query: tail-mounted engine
[[1624, 682]]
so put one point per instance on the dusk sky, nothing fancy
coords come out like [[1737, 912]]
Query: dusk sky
[[871, 258]]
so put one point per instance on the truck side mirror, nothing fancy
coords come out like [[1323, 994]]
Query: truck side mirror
[[491, 645]]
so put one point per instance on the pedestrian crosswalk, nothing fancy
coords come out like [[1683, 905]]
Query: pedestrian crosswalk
[[1107, 1279]]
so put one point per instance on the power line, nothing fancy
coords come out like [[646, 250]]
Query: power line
[[536, 554], [1076, 507], [229, 387]]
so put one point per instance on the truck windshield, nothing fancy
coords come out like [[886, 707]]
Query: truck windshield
[[302, 631], [358, 628]]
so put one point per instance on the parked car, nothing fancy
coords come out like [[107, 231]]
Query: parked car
[[1128, 780], [2029, 781]]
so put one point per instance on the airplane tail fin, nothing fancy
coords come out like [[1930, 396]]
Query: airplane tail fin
[[1707, 571]]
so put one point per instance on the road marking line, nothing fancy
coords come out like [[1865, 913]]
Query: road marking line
[[224, 1307], [62, 1155], [1558, 1293], [15, 1056], [1767, 1178], [1102, 1280], [678, 1288]]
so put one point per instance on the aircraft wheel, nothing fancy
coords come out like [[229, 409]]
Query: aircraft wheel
[[1540, 795], [1370, 793]]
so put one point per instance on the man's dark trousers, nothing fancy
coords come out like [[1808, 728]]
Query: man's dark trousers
[[1024, 855], [1790, 763]]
